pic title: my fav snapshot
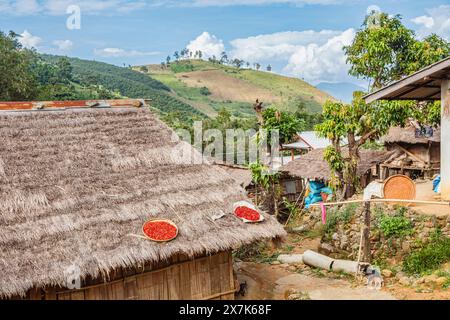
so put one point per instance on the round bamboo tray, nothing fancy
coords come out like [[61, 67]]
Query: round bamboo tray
[[399, 187], [160, 220]]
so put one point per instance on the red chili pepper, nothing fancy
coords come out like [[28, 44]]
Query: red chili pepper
[[160, 230], [247, 213]]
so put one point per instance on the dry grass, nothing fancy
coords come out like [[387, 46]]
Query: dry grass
[[224, 87]]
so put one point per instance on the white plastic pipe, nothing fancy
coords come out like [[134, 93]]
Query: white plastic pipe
[[314, 259]]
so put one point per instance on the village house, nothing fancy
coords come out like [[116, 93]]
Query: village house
[[304, 142], [79, 179], [431, 83], [416, 151], [313, 166]]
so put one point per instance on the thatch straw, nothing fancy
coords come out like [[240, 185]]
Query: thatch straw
[[74, 184], [313, 165], [408, 135]]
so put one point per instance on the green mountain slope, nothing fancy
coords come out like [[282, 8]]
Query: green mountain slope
[[210, 86], [131, 84]]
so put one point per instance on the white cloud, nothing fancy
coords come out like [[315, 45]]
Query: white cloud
[[223, 3], [315, 56], [436, 21], [426, 21], [208, 44], [58, 7], [278, 45], [63, 45], [118, 53], [28, 40], [316, 63], [20, 7]]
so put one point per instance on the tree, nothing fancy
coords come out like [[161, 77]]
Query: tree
[[382, 51], [285, 122], [65, 70], [168, 60], [176, 55], [237, 63], [357, 123], [16, 80], [257, 66], [223, 58]]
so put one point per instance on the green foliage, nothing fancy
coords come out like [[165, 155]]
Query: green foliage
[[381, 50], [261, 175], [181, 66], [16, 80], [339, 216], [205, 91], [132, 84], [430, 257], [395, 226], [285, 122]]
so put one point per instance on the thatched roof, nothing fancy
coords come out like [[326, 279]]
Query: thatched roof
[[76, 184], [408, 135], [313, 166]]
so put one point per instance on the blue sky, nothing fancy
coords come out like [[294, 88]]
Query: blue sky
[[301, 38]]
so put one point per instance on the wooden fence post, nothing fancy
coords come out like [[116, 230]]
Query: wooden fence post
[[366, 237]]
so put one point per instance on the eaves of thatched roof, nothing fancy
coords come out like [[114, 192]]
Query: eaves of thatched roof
[[75, 185], [408, 135], [313, 165]]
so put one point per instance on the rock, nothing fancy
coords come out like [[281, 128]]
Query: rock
[[405, 281], [430, 279], [406, 247], [290, 258], [440, 281], [419, 281], [429, 224], [299, 296], [275, 262], [335, 236], [326, 248], [386, 273], [300, 229], [292, 268]]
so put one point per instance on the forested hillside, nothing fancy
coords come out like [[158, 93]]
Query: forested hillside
[[130, 83]]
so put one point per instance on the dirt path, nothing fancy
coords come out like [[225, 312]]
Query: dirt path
[[273, 282]]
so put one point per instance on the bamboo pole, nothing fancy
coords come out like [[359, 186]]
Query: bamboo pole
[[442, 203]]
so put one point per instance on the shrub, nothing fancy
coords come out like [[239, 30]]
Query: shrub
[[343, 215], [430, 257], [205, 91], [395, 226]]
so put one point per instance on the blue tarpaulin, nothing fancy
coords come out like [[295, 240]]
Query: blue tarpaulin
[[436, 182], [315, 190]]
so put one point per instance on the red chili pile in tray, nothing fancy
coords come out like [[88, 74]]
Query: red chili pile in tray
[[247, 213], [160, 230]]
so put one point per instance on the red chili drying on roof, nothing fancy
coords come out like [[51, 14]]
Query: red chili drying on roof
[[160, 230], [247, 213]]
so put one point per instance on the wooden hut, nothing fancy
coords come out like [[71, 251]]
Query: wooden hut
[[77, 182], [416, 151], [313, 166]]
